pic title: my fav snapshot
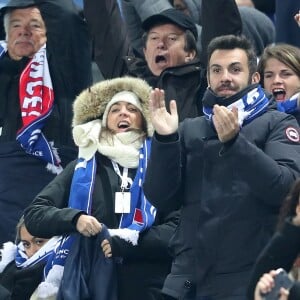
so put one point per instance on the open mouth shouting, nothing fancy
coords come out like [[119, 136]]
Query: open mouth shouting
[[123, 126], [161, 60], [279, 94]]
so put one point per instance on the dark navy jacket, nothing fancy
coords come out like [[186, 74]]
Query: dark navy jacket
[[230, 195]]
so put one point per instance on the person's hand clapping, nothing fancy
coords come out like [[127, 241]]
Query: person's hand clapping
[[163, 122], [226, 122]]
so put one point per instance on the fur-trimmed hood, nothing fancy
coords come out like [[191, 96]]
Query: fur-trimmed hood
[[91, 103]]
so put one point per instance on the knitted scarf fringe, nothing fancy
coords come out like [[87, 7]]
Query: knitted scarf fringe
[[50, 287], [126, 234], [8, 254]]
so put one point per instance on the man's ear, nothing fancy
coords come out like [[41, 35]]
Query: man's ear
[[189, 56], [207, 78], [255, 77], [145, 53], [298, 209]]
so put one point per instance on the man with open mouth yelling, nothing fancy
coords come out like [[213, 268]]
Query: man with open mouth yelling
[[159, 44]]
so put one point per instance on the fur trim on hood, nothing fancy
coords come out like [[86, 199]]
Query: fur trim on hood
[[91, 103]]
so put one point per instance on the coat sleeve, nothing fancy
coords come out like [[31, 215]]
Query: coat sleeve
[[153, 244], [165, 165], [281, 251], [219, 17], [295, 292], [48, 215], [4, 293], [270, 168], [108, 32], [68, 44]]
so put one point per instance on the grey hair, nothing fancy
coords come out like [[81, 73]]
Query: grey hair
[[6, 23]]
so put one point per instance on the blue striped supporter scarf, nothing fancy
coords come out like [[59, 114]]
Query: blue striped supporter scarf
[[36, 103], [289, 106], [15, 252], [250, 102], [140, 217]]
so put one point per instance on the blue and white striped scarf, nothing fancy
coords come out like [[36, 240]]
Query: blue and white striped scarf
[[289, 106], [142, 213], [250, 102], [22, 260], [11, 252]]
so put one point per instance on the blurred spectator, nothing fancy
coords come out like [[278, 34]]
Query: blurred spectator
[[258, 28], [256, 25], [266, 6], [287, 30], [283, 249]]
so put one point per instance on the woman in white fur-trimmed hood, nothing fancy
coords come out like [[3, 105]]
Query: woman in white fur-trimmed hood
[[112, 129]]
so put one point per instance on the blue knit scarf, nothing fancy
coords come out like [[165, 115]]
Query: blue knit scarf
[[250, 102], [142, 213], [289, 106], [10, 251]]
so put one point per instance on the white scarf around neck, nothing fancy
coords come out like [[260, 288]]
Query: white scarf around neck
[[122, 147]]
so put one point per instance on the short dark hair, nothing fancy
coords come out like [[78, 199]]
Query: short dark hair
[[190, 41], [230, 42]]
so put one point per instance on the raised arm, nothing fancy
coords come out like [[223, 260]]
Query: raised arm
[[219, 17], [69, 45], [109, 35], [165, 159], [164, 123]]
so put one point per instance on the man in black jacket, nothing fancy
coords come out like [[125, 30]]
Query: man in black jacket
[[179, 71], [44, 64], [229, 171]]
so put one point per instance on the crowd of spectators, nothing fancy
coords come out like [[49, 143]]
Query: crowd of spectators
[[155, 141]]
